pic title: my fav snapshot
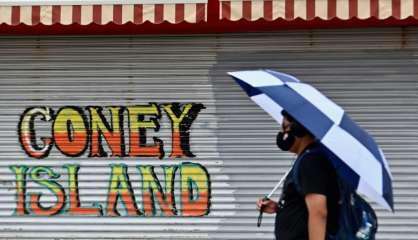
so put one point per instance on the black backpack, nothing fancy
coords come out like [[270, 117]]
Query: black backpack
[[357, 219]]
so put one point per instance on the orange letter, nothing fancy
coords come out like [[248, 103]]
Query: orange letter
[[70, 131], [112, 134], [120, 186], [37, 175], [181, 120], [27, 136], [195, 190], [138, 138], [75, 208], [151, 185]]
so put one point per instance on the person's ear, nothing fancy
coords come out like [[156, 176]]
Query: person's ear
[[297, 129]]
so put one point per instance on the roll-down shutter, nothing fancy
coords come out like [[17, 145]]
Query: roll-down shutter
[[372, 73]]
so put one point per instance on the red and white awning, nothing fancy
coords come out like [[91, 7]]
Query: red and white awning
[[197, 16], [252, 10], [103, 14]]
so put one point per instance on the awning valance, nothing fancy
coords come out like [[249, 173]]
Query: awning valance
[[103, 14], [198, 16], [252, 10]]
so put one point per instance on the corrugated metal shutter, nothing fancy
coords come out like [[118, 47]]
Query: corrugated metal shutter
[[372, 73]]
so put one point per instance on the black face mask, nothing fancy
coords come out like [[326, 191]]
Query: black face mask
[[285, 144]]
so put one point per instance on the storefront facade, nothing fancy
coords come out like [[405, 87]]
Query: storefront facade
[[146, 137]]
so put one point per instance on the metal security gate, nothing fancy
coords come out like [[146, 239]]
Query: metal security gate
[[150, 139], [371, 73]]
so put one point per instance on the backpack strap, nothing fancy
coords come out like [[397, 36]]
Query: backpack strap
[[295, 169]]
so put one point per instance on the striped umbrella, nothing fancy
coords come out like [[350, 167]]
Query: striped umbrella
[[355, 155]]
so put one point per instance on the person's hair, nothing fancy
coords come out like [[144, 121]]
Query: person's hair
[[296, 126]]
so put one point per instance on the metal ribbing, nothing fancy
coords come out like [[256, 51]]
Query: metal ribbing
[[372, 73]]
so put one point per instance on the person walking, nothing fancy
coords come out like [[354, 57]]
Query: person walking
[[309, 209], [337, 161]]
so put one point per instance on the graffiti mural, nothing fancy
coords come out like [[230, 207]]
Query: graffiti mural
[[121, 132]]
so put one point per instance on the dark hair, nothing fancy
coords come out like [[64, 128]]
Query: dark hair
[[297, 128], [287, 116]]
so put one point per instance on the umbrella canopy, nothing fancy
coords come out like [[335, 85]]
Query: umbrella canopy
[[355, 155]]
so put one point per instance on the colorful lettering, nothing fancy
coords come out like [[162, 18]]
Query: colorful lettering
[[113, 133], [138, 126], [70, 131], [20, 172], [151, 189], [74, 129], [120, 188], [36, 175], [27, 135], [74, 199], [195, 190], [181, 120]]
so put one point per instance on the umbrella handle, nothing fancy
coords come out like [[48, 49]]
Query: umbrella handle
[[260, 215]]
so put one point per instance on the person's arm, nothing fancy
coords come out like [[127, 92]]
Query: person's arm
[[317, 215]]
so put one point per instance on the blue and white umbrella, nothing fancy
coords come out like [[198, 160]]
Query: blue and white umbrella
[[354, 153]]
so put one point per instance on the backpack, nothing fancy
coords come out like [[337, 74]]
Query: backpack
[[357, 219]]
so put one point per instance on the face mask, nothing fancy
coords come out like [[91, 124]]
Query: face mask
[[285, 141]]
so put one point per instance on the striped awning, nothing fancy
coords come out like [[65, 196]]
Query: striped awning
[[103, 14], [197, 16], [270, 10]]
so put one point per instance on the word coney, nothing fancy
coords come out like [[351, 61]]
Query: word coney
[[75, 129]]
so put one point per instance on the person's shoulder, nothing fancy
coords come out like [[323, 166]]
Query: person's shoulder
[[315, 158], [314, 151]]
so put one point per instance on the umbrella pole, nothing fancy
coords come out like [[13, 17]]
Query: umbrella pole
[[278, 185], [260, 216]]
